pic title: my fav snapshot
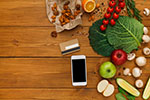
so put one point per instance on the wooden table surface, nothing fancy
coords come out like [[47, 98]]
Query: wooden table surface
[[31, 65]]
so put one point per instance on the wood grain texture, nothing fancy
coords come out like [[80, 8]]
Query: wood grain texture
[[31, 65], [37, 41]]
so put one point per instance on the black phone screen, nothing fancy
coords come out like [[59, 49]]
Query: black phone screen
[[79, 70]]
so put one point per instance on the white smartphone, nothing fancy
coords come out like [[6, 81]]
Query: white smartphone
[[79, 71]]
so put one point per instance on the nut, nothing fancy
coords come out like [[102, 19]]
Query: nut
[[145, 29], [131, 56], [78, 7], [146, 51]]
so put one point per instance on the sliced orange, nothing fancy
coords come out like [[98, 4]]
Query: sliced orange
[[88, 5]]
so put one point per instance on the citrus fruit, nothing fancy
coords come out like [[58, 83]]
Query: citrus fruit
[[88, 5]]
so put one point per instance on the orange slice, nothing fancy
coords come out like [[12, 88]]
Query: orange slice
[[88, 5]]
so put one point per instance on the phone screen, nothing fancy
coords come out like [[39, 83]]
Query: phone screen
[[79, 71]]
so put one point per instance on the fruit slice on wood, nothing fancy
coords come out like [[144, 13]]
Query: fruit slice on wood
[[146, 93], [127, 87], [109, 90], [88, 5], [102, 85]]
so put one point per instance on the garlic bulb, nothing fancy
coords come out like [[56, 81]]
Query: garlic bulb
[[141, 61], [131, 56], [136, 72], [145, 30], [139, 83], [146, 51], [146, 38]]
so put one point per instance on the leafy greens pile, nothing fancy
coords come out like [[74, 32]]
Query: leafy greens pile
[[126, 35]]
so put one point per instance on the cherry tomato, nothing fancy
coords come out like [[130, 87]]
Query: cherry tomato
[[102, 27], [107, 15], [122, 4], [121, 0], [115, 16], [105, 22], [112, 22], [118, 9], [110, 10], [112, 3]]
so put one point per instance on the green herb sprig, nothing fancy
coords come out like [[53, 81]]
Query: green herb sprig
[[130, 4]]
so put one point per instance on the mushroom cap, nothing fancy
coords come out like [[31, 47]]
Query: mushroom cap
[[141, 61], [136, 72]]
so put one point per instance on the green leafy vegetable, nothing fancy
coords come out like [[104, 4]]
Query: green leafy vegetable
[[122, 91], [126, 35], [119, 96], [98, 39]]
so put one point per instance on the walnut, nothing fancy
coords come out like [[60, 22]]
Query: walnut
[[72, 17], [56, 13], [67, 3], [54, 34], [78, 7], [53, 20], [63, 11], [66, 7]]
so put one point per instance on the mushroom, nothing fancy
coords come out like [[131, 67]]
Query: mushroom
[[146, 51], [145, 30], [136, 72], [141, 61], [139, 83], [131, 56], [146, 12], [127, 72], [146, 38]]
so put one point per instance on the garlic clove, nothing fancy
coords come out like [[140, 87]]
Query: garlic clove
[[145, 30], [146, 51], [139, 83], [136, 72], [146, 38], [129, 74], [146, 12], [141, 61], [131, 56]]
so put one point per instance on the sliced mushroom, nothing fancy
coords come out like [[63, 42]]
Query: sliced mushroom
[[146, 12], [145, 29], [131, 56], [146, 38], [139, 83], [146, 51]]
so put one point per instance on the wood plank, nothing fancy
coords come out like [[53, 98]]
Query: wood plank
[[55, 94], [54, 72], [36, 41], [31, 13]]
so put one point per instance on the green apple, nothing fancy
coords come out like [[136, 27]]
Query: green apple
[[107, 70]]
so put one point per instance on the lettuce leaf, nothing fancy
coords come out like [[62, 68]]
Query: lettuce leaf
[[126, 34]]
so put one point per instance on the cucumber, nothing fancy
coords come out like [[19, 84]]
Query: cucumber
[[128, 87], [146, 93]]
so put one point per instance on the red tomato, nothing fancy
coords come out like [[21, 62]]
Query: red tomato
[[112, 22], [110, 10], [105, 22], [102, 27], [118, 9], [107, 15], [115, 16], [122, 4], [112, 3]]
